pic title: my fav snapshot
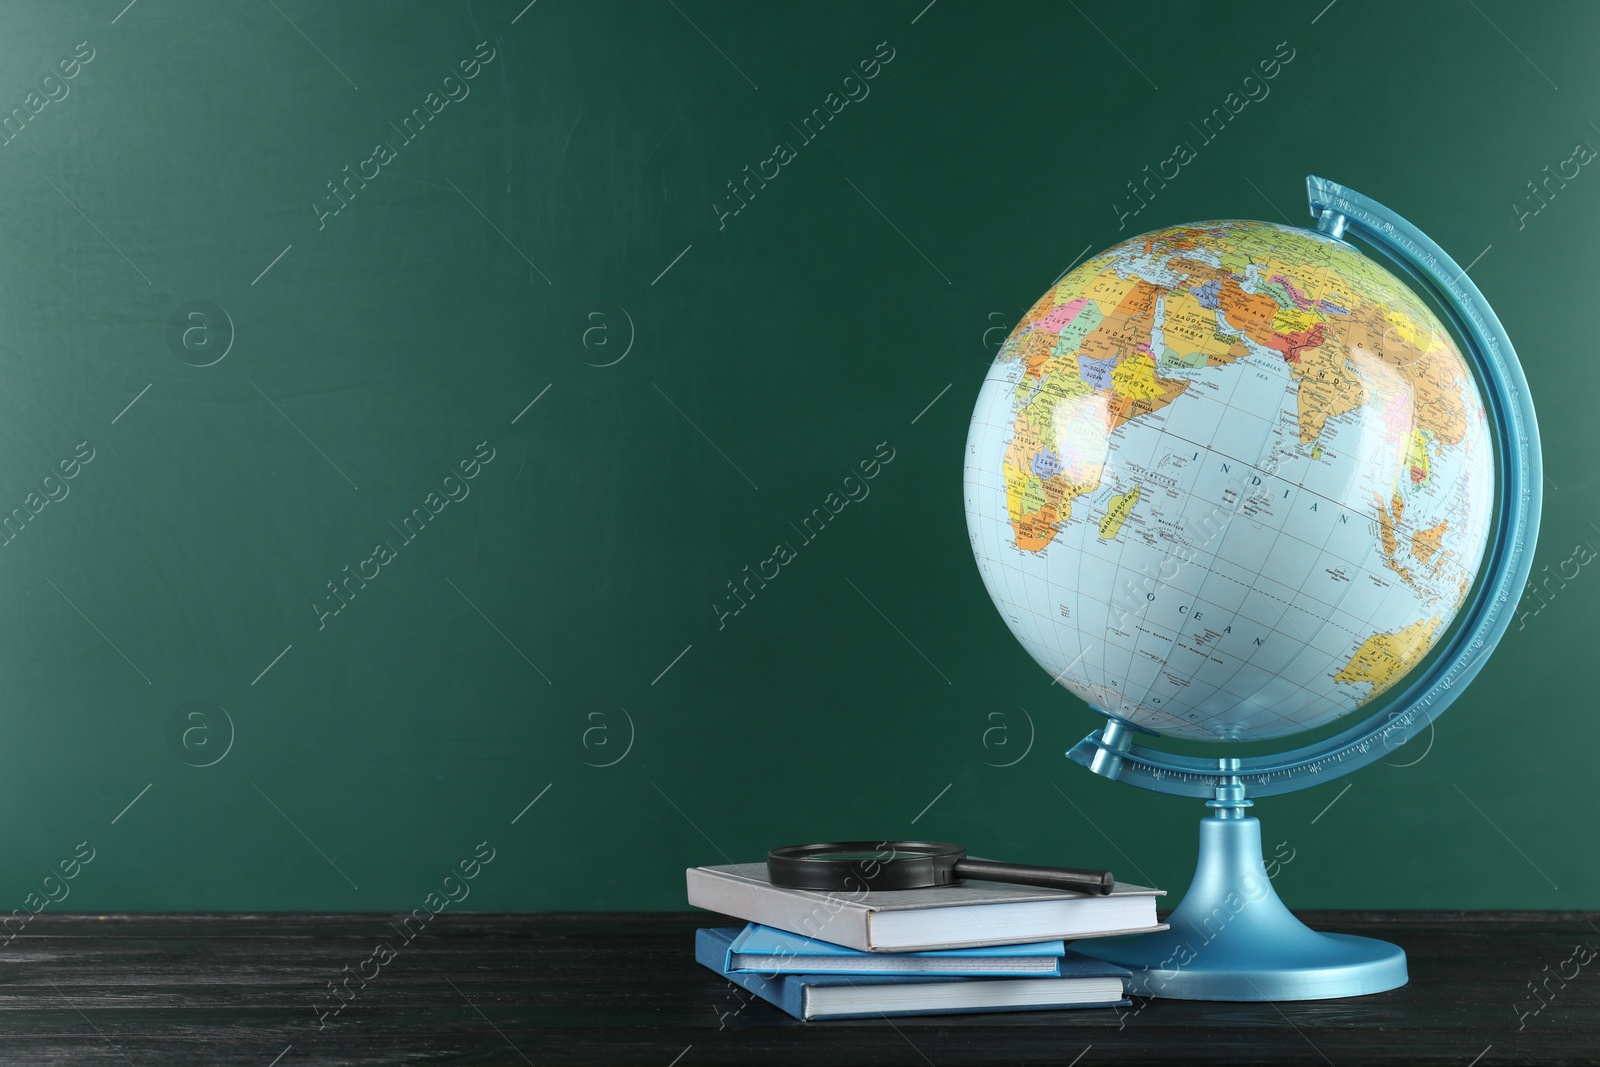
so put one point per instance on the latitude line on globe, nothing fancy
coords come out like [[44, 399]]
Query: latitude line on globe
[[1177, 632], [1322, 551], [1273, 628], [1252, 466], [1240, 661], [1364, 564], [1148, 641], [1243, 661], [1197, 597]]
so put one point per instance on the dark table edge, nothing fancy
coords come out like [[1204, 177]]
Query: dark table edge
[[1320, 915]]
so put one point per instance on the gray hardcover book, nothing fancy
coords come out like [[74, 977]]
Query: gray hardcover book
[[968, 915]]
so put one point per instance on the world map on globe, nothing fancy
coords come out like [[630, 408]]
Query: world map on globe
[[1229, 480]]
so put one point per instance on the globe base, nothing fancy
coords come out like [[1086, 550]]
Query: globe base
[[1231, 938]]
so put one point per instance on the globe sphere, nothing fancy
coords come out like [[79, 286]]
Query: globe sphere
[[1229, 480]]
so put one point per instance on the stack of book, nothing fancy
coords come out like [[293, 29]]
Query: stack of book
[[977, 946]]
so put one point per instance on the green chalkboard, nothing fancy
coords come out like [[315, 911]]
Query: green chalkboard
[[395, 400]]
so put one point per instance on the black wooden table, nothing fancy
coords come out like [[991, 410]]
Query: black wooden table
[[160, 991]]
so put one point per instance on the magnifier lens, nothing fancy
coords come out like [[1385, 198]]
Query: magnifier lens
[[891, 865], [883, 856]]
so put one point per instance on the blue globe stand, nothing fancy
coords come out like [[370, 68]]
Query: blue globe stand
[[1231, 938]]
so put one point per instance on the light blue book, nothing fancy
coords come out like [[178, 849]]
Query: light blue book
[[855, 996], [763, 950]]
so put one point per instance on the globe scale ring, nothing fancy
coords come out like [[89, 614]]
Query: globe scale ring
[[1317, 469]]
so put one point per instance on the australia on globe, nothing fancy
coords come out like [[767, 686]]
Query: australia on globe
[[1229, 480]]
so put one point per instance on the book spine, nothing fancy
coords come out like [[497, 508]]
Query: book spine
[[835, 919], [987, 1009], [786, 996], [895, 963]]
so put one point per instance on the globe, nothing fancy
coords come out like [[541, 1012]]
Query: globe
[[1229, 480], [1232, 481]]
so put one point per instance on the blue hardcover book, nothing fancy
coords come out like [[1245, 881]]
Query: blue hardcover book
[[763, 950], [854, 996]]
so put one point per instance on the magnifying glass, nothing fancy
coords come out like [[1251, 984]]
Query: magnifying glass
[[881, 865]]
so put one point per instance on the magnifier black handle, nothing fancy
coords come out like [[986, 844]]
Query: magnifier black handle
[[1084, 881]]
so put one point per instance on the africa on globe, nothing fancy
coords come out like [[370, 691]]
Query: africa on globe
[[1229, 480]]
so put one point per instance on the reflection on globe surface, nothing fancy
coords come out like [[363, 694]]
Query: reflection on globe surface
[[1230, 480]]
